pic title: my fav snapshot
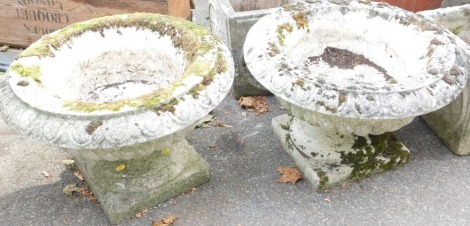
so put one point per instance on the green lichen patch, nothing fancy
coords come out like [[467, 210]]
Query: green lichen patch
[[281, 36], [457, 30], [33, 72], [194, 92], [323, 179], [184, 33], [135, 168], [170, 107], [378, 153], [82, 106], [220, 63]]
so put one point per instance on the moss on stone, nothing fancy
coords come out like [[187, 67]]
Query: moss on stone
[[183, 32], [194, 92], [457, 30], [323, 179], [383, 152], [170, 107], [220, 63], [280, 32], [33, 72], [192, 39]]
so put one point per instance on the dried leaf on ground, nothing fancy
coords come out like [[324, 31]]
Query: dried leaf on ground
[[4, 48], [88, 194], [288, 175], [221, 124], [190, 191], [120, 167], [202, 123], [69, 189], [141, 214], [261, 105], [247, 102], [168, 221], [257, 104], [78, 174]]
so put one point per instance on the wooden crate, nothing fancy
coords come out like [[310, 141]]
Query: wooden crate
[[25, 21]]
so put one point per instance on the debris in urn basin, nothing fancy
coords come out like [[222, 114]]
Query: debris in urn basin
[[345, 59]]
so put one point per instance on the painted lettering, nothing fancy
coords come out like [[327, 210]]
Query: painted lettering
[[36, 2], [43, 16], [38, 30]]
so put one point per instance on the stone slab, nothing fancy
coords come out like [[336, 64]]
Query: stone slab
[[231, 20], [145, 181], [451, 123], [327, 158]]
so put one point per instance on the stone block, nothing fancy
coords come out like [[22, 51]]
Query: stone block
[[231, 20], [328, 158], [145, 181], [451, 123]]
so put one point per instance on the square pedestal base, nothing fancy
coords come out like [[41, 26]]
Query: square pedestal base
[[327, 158], [145, 181]]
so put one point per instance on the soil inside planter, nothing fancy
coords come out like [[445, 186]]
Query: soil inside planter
[[345, 59]]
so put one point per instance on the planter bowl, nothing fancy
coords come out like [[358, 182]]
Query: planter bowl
[[347, 61], [120, 93], [116, 81], [347, 79]]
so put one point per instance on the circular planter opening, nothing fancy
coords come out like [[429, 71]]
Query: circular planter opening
[[117, 80], [348, 61]]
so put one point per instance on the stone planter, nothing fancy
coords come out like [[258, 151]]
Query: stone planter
[[451, 123], [231, 20], [347, 81], [121, 91]]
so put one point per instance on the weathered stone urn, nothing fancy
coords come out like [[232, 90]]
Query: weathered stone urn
[[120, 93], [349, 73]]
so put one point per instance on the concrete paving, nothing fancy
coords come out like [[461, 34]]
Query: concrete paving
[[432, 189]]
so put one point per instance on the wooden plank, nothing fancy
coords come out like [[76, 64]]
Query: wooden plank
[[179, 8], [25, 21]]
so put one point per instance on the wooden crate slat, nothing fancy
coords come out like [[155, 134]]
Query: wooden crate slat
[[25, 21]]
